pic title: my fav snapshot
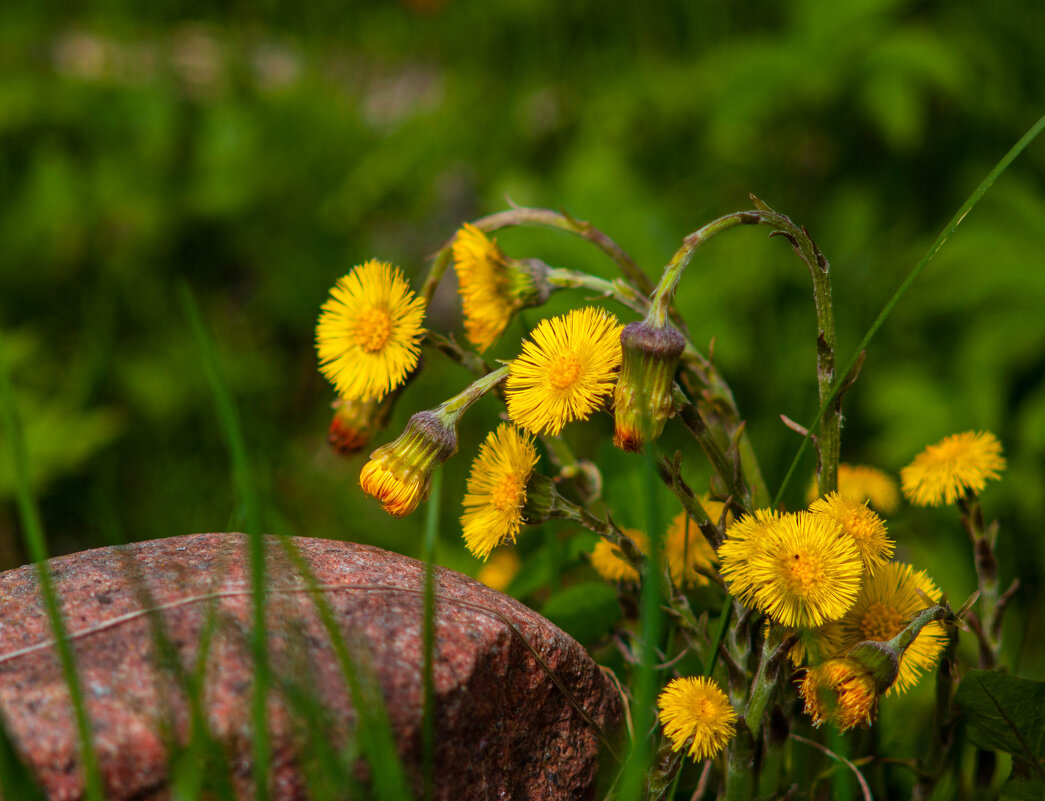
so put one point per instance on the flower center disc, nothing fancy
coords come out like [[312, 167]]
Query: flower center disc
[[564, 371], [372, 329], [802, 573], [880, 623], [506, 496]]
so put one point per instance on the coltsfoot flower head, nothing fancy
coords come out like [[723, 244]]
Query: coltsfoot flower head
[[802, 572], [492, 286], [885, 604], [565, 372], [861, 524], [399, 474], [688, 553], [944, 472], [500, 569], [369, 331], [840, 691], [642, 400], [609, 562], [697, 712], [496, 490]]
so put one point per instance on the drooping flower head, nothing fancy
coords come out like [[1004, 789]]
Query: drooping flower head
[[565, 372], [609, 561], [945, 471], [369, 332], [887, 601], [496, 491], [859, 523], [801, 572], [492, 286], [840, 691], [697, 712], [399, 474], [687, 551]]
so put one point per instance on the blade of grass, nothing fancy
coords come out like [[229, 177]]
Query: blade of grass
[[944, 235], [633, 780], [375, 729], [245, 490], [36, 547], [428, 637]]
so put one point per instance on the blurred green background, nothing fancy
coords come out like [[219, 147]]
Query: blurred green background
[[256, 156]]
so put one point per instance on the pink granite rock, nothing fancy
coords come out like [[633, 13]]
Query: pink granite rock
[[504, 728]]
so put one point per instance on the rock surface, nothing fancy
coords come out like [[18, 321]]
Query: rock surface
[[504, 729]]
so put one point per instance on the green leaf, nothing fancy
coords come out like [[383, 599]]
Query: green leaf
[[586, 611], [1004, 713], [1023, 784]]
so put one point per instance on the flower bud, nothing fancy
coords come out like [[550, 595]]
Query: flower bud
[[880, 659], [839, 690], [399, 474], [355, 422], [642, 400]]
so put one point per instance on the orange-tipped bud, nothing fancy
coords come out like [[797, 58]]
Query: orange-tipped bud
[[642, 400], [399, 474]]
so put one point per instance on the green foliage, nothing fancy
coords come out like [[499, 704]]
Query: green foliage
[[1004, 713], [587, 610]]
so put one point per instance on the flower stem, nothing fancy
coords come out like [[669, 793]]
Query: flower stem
[[451, 411], [621, 291], [989, 630]]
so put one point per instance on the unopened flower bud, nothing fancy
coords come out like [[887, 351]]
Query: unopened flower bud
[[880, 659], [642, 400], [399, 474]]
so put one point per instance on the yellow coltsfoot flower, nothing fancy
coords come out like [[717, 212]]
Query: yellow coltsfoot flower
[[565, 372], [496, 490], [864, 484], [797, 569], [861, 524], [687, 551], [957, 464], [840, 691], [492, 286], [500, 569], [609, 562], [886, 603], [696, 712], [369, 332]]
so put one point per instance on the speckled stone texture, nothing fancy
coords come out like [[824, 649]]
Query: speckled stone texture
[[504, 729]]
